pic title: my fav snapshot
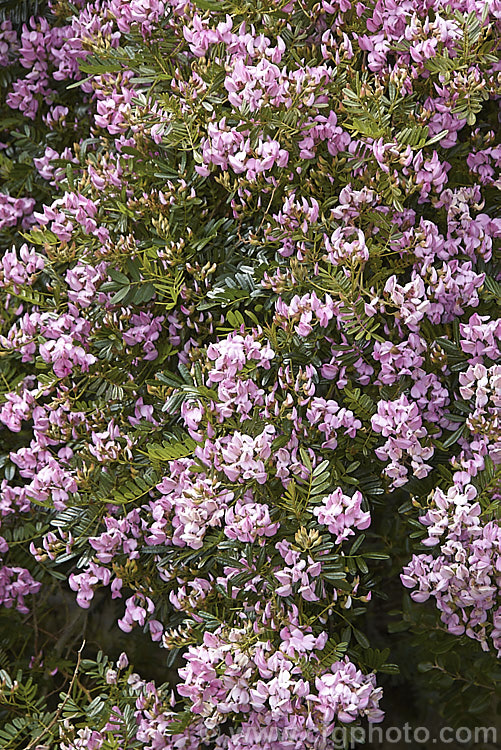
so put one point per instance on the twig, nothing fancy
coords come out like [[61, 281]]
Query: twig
[[82, 687], [59, 711]]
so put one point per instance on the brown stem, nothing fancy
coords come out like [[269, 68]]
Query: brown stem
[[59, 711]]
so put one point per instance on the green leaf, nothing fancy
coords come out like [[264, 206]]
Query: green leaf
[[361, 638], [120, 295], [171, 450], [454, 437]]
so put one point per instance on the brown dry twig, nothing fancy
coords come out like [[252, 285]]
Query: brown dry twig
[[59, 711]]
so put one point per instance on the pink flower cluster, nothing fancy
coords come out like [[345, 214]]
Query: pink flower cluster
[[246, 521], [345, 246], [198, 504], [20, 271], [224, 677], [401, 423], [15, 211], [15, 584], [465, 577], [342, 513], [242, 457], [296, 215], [300, 574], [229, 147], [302, 313], [329, 417]]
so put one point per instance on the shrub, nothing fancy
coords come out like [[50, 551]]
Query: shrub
[[249, 385]]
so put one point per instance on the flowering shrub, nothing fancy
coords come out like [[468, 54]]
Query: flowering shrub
[[250, 368]]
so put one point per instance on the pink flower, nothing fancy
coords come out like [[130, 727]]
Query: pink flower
[[246, 521], [341, 513]]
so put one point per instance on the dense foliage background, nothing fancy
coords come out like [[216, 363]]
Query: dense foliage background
[[249, 393]]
